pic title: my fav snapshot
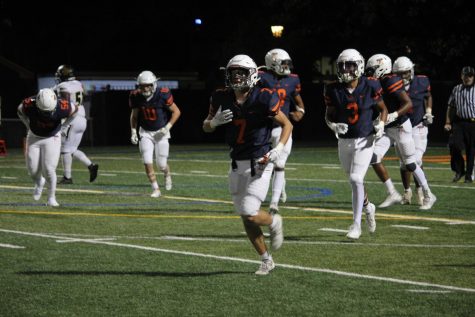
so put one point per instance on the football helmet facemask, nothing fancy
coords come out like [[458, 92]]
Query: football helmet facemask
[[64, 73], [378, 65], [279, 61], [404, 68], [46, 100], [349, 65], [147, 83], [241, 73]]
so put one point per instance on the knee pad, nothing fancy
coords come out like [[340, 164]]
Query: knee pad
[[250, 205], [411, 167], [356, 178]]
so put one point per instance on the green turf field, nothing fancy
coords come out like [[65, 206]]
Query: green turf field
[[111, 250]]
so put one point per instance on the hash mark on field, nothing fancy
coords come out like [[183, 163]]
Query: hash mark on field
[[82, 240], [242, 260], [410, 227], [9, 177], [333, 230], [108, 174]]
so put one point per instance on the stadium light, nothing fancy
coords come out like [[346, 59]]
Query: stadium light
[[277, 30]]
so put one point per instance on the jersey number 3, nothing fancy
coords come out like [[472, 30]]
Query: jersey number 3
[[354, 115]]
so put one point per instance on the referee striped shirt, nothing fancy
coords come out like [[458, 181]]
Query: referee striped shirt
[[463, 100]]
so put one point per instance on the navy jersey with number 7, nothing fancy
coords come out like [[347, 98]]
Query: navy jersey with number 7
[[248, 135]]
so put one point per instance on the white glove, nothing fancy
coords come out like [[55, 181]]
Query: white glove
[[164, 131], [134, 137], [392, 117], [274, 154], [221, 117], [379, 128], [428, 119], [339, 128]]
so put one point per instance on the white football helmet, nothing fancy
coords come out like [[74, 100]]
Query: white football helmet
[[378, 65], [402, 66], [147, 82], [241, 73], [46, 100], [349, 65], [278, 61]]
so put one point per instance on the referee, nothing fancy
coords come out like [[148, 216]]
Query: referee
[[460, 120]]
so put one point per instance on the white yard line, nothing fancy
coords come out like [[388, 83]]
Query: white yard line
[[235, 259], [428, 291], [11, 246], [348, 244]]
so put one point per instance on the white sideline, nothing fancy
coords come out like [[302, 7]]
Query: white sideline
[[226, 258]]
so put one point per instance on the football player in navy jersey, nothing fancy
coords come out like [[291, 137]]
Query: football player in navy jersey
[[419, 90], [398, 130], [350, 106], [42, 116], [247, 113], [153, 114], [279, 78]]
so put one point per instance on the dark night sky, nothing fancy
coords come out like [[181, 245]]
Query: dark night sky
[[105, 36]]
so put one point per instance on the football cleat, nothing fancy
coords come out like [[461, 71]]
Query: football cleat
[[370, 211], [355, 232], [52, 202], [393, 198], [265, 267], [66, 181], [429, 200], [156, 193], [93, 172]]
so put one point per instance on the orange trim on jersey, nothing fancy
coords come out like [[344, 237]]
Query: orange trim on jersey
[[378, 94], [397, 85], [266, 89], [169, 101], [164, 89]]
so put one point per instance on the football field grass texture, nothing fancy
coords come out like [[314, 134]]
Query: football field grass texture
[[112, 250]]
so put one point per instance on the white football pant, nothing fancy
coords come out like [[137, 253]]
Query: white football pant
[[248, 192], [355, 158], [42, 157], [153, 143]]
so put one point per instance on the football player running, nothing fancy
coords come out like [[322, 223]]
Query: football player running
[[419, 90], [153, 114], [350, 106], [71, 134], [42, 115], [247, 113], [279, 78], [398, 129]]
